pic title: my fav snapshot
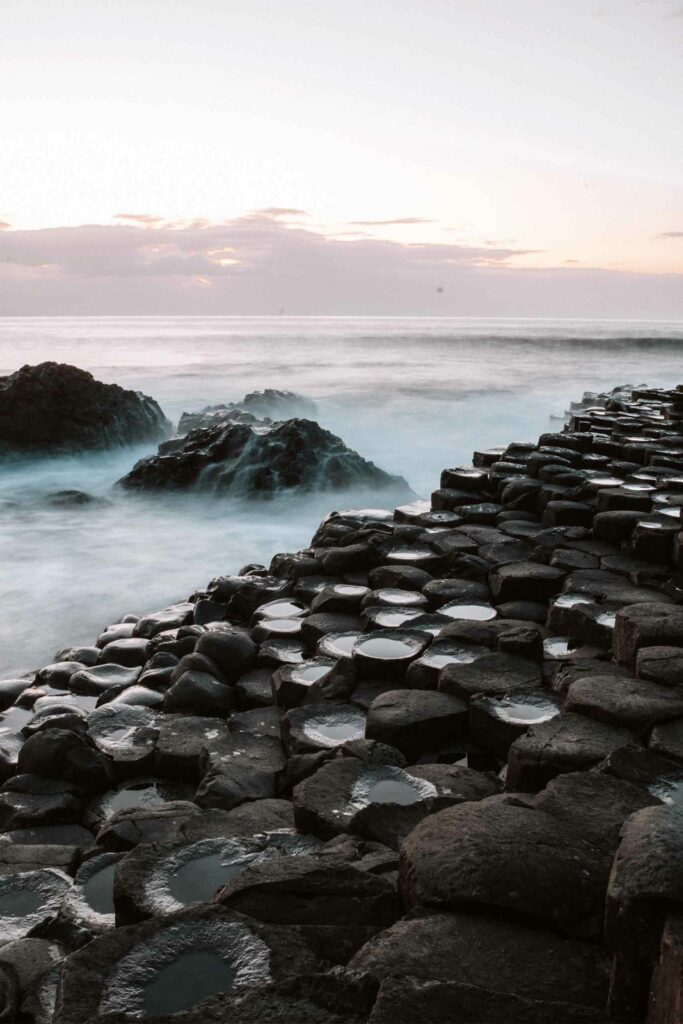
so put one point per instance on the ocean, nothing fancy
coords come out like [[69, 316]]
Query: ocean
[[411, 394]]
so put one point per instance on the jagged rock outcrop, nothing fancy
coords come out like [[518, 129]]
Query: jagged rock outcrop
[[270, 404], [54, 408], [237, 459]]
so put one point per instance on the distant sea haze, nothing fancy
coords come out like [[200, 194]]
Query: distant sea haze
[[414, 395]]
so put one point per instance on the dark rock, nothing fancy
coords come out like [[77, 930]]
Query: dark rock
[[567, 743], [233, 458], [646, 625], [199, 693], [55, 408], [29, 800], [240, 768], [491, 674], [312, 891], [59, 754], [525, 581], [181, 742], [131, 652], [414, 721], [496, 722], [661, 664], [633, 703], [231, 649], [168, 964], [496, 956], [646, 883]]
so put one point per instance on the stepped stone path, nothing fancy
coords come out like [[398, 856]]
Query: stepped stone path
[[427, 771]]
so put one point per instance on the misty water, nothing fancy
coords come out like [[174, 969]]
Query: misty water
[[413, 395]]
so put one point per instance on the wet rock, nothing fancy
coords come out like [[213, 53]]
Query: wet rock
[[131, 652], [169, 964], [233, 458], [30, 899], [423, 673], [567, 743], [101, 678], [55, 408], [10, 690], [59, 754], [127, 735], [232, 650], [30, 959], [496, 956], [402, 577], [665, 991], [291, 684], [270, 403], [414, 721], [199, 693]]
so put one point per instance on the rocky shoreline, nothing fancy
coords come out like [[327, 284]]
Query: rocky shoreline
[[429, 769]]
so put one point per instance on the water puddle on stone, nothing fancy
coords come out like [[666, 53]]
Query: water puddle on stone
[[384, 648], [386, 784], [310, 673], [476, 612], [451, 655], [338, 645], [284, 627], [557, 647], [187, 981], [390, 619], [19, 903], [198, 880], [281, 610], [405, 598], [98, 890], [134, 796], [532, 711], [333, 729], [416, 554], [569, 600]]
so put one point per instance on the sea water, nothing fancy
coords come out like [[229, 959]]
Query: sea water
[[412, 395]]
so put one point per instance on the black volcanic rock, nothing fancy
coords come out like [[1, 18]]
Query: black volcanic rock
[[269, 404], [54, 408], [234, 458]]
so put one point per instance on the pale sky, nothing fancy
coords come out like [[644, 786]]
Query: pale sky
[[490, 157]]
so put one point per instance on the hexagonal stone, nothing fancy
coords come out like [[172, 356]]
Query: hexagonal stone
[[525, 581], [180, 744], [660, 664], [496, 722], [168, 964], [30, 899], [635, 704], [646, 625], [321, 727], [416, 721], [496, 956], [492, 674], [567, 743]]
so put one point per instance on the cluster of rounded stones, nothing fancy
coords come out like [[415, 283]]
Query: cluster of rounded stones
[[429, 769]]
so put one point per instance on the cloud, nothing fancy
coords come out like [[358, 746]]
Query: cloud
[[384, 223], [671, 234], [280, 211], [139, 218], [4, 226], [258, 263]]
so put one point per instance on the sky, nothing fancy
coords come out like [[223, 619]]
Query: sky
[[385, 157]]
